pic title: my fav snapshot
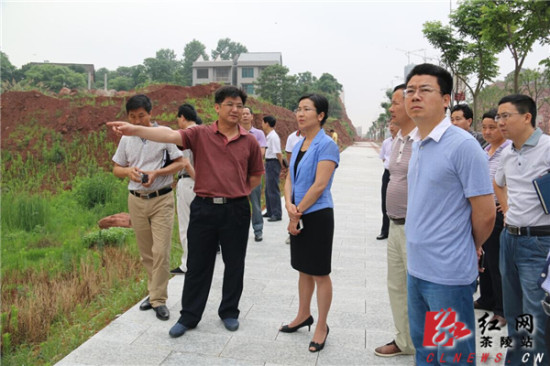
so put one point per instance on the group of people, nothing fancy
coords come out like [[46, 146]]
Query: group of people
[[462, 205], [452, 198], [220, 171]]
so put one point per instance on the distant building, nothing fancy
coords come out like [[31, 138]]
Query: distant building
[[242, 72]]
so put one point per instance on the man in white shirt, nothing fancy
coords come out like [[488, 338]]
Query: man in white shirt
[[273, 166], [256, 194], [385, 152], [187, 118]]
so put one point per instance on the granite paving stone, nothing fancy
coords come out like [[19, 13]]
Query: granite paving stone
[[360, 318]]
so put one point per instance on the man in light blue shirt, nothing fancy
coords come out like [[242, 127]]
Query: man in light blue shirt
[[450, 214]]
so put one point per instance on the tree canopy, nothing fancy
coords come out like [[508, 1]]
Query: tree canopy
[[192, 51], [278, 87], [227, 49], [55, 77]]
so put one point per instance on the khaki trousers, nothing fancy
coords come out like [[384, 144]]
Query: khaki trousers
[[152, 221], [397, 286]]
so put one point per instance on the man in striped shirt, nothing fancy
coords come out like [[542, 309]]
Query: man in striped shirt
[[396, 205]]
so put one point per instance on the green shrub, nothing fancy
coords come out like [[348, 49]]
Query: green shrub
[[114, 236], [24, 211], [96, 190]]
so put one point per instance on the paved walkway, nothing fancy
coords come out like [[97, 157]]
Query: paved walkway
[[360, 317]]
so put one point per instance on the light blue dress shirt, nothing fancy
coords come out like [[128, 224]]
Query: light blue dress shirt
[[446, 168]]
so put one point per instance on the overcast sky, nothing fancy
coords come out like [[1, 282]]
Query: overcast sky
[[364, 44]]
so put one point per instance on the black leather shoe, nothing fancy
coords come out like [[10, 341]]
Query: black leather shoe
[[273, 218], [307, 322], [316, 347], [265, 215], [177, 271], [258, 237], [162, 312], [145, 305], [382, 237]]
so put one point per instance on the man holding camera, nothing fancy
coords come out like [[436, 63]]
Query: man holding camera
[[150, 200]]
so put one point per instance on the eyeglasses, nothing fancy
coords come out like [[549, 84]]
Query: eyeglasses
[[232, 105], [505, 116], [422, 91], [305, 110]]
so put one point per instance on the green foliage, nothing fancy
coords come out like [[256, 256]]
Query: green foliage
[[7, 70], [54, 77], [164, 68], [227, 49], [26, 212], [277, 87], [114, 236], [97, 189], [191, 53], [515, 25]]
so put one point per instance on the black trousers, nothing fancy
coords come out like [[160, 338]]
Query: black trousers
[[209, 225], [385, 219], [272, 191], [490, 281]]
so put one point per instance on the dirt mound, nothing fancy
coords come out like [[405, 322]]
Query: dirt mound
[[80, 113]]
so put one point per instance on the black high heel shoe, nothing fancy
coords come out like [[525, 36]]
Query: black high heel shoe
[[287, 329], [316, 346]]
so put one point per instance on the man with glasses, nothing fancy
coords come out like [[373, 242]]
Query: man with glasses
[[525, 240], [228, 165], [450, 214]]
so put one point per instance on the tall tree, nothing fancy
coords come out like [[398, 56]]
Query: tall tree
[[164, 68], [306, 82], [466, 54], [227, 49], [515, 25], [276, 86], [328, 84], [191, 53], [7, 70], [54, 77]]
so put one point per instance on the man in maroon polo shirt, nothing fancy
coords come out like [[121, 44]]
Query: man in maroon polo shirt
[[228, 165]]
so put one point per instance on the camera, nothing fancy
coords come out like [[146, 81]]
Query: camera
[[144, 178]]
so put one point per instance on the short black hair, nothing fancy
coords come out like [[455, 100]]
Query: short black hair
[[466, 110], [229, 92], [444, 78], [270, 120], [320, 103], [491, 113], [523, 103], [400, 86], [188, 112], [139, 101]]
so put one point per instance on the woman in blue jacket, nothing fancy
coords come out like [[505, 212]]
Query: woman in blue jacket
[[310, 209]]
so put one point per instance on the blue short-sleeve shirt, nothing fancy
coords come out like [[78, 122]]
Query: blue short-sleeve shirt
[[446, 168]]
